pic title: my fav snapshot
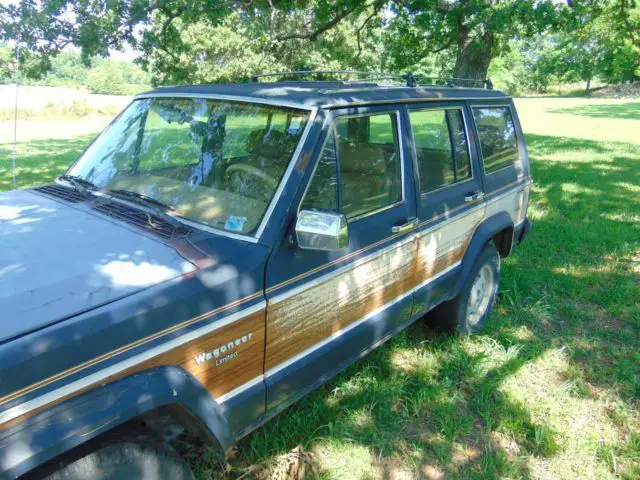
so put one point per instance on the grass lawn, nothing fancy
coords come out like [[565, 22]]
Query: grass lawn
[[551, 390]]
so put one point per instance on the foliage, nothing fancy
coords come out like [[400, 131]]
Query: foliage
[[597, 47], [215, 39], [102, 75], [244, 44], [532, 44], [116, 77]]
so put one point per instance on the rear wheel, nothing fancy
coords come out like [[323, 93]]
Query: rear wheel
[[469, 311]]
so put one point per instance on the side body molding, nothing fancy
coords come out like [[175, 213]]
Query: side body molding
[[75, 421], [485, 231]]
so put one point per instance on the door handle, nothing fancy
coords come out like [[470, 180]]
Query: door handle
[[405, 227], [473, 196]]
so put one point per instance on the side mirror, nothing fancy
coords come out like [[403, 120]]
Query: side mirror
[[317, 230]]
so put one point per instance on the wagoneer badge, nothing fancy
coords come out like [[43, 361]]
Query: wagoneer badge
[[227, 351]]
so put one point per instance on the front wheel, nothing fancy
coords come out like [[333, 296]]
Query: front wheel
[[469, 311], [121, 454]]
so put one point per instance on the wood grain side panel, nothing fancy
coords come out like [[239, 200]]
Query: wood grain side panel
[[245, 363], [443, 247], [125, 348], [514, 203], [308, 317], [217, 379]]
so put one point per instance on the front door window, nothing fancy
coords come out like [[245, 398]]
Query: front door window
[[363, 152]]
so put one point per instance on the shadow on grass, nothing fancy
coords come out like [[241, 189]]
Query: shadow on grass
[[585, 251], [625, 110], [39, 161]]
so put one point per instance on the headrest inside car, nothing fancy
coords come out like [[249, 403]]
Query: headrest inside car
[[269, 143]]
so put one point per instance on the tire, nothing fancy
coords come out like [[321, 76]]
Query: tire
[[458, 314], [110, 458]]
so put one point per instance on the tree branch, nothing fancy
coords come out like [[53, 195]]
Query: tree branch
[[315, 34], [375, 12]]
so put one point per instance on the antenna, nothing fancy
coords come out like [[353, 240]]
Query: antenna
[[15, 113]]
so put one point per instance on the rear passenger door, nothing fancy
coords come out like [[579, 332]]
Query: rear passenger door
[[326, 308], [450, 196]]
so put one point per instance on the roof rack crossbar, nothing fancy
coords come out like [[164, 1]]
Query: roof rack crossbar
[[305, 73], [455, 81], [409, 79]]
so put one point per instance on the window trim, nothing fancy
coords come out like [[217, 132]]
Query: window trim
[[331, 121], [467, 136], [330, 129], [515, 131]]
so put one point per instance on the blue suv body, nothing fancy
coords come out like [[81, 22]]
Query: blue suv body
[[220, 251]]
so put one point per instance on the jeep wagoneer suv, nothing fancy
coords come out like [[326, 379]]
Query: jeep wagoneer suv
[[220, 251]]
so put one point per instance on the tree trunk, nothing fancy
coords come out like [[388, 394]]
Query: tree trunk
[[474, 53], [588, 87]]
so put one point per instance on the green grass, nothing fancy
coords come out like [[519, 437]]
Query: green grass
[[550, 390], [39, 161], [629, 110], [51, 111]]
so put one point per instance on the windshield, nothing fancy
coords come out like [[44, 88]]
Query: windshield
[[215, 162]]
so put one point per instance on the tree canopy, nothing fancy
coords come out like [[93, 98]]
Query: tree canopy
[[218, 40]]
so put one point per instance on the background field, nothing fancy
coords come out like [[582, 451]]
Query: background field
[[551, 390]]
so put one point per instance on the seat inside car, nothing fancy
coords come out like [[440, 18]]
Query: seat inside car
[[363, 171]]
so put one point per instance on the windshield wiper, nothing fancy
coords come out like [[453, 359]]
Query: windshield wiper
[[79, 183], [158, 207], [130, 194]]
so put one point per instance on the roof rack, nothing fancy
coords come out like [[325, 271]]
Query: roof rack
[[409, 79], [454, 82], [324, 73]]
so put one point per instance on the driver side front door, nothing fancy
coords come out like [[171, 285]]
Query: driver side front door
[[326, 309]]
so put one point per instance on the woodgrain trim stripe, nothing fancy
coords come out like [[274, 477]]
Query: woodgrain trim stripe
[[125, 365], [310, 315], [238, 390], [351, 326], [329, 264], [342, 270], [124, 348]]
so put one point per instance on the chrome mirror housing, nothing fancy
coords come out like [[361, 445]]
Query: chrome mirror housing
[[316, 230]]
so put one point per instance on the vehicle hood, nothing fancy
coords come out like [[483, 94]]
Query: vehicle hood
[[58, 260]]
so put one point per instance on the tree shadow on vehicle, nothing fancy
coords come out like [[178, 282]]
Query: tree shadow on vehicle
[[615, 110]]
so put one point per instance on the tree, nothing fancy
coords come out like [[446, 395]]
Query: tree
[[213, 40], [243, 44], [597, 46], [474, 29]]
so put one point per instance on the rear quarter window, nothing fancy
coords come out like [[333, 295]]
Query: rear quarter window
[[497, 135], [441, 147]]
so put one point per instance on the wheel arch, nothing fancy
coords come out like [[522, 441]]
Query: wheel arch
[[497, 229], [74, 422]]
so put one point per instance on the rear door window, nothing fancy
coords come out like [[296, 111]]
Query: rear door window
[[497, 135], [442, 150]]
